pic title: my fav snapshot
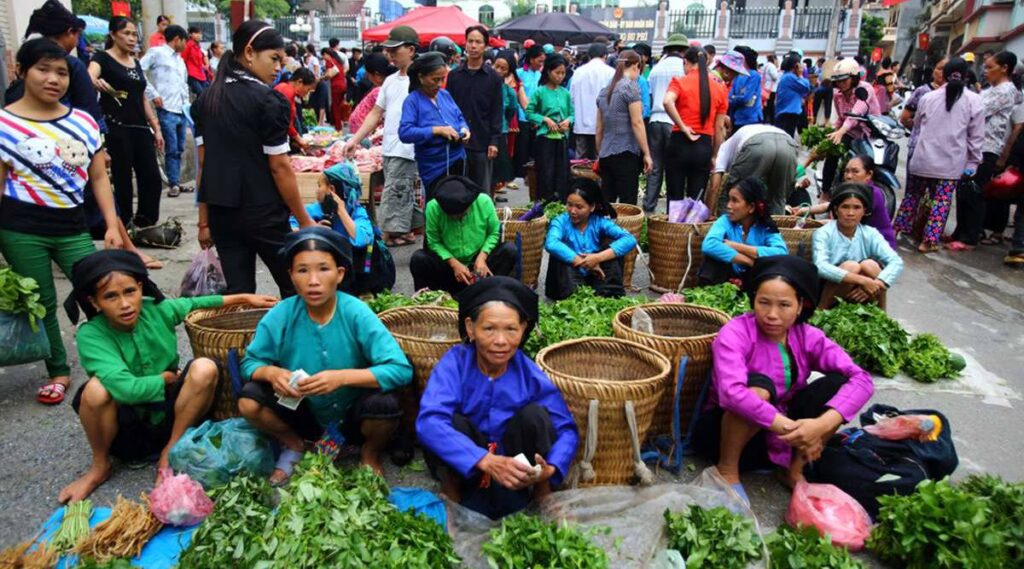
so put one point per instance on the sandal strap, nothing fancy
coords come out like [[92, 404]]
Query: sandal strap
[[53, 388]]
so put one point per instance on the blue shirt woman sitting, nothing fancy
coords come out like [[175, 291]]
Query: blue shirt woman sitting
[[486, 403], [585, 245], [739, 238]]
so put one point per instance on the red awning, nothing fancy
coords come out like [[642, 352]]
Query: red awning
[[431, 22], [888, 3]]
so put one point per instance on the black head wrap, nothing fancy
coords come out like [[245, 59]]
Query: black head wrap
[[90, 270], [800, 274], [334, 241], [754, 192], [53, 19], [504, 289], [455, 194], [851, 190], [424, 63]]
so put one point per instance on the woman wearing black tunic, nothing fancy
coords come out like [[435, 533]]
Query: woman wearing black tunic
[[246, 186]]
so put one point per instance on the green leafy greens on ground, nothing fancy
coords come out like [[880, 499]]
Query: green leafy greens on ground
[[805, 548], [714, 538], [387, 300], [20, 295], [582, 314], [726, 297], [928, 360], [524, 541]]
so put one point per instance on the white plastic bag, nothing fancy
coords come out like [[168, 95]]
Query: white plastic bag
[[204, 276]]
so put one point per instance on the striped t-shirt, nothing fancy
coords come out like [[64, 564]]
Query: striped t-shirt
[[47, 169]]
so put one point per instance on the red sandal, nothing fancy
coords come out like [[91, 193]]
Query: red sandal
[[51, 393]]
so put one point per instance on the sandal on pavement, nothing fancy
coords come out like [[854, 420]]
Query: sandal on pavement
[[51, 393], [399, 242], [959, 246], [928, 248], [993, 239], [1015, 260], [285, 465], [173, 192], [512, 186]]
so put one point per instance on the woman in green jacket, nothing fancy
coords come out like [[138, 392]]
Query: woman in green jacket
[[550, 109]]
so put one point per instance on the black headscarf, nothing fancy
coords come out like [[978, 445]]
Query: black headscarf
[[754, 192], [504, 289], [800, 274], [90, 270], [455, 194], [424, 63], [852, 190], [334, 241], [533, 52]]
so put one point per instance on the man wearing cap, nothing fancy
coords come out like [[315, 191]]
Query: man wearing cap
[[659, 129], [477, 90], [587, 82], [168, 91], [398, 209], [463, 239]]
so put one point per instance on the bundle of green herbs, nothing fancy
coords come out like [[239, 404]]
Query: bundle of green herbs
[[805, 548], [553, 210], [20, 295], [73, 527], [387, 300], [816, 139], [726, 297], [582, 314], [523, 541], [713, 539]]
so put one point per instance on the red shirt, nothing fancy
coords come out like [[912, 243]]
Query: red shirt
[[687, 90], [339, 82], [193, 56], [157, 39], [288, 91]]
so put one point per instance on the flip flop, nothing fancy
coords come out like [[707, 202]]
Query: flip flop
[[51, 393], [928, 248], [959, 246], [1014, 260], [399, 242], [992, 240]]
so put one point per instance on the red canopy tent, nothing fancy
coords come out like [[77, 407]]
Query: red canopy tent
[[431, 22]]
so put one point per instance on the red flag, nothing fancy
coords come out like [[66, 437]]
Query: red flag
[[120, 8]]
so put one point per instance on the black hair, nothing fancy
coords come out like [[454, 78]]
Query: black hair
[[255, 33], [303, 75], [422, 66], [316, 245], [311, 49], [213, 45], [807, 305], [771, 57], [749, 56], [848, 190], [789, 63], [161, 19], [590, 192], [117, 23], [194, 30], [481, 30], [866, 161], [477, 310], [102, 281], [39, 49], [509, 57], [333, 42], [887, 62], [699, 57], [859, 59], [754, 192], [549, 65], [709, 49], [174, 32], [533, 52], [1008, 59], [955, 74], [626, 59], [291, 51]]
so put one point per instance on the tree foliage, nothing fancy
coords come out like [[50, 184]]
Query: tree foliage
[[871, 32], [101, 8], [264, 8]]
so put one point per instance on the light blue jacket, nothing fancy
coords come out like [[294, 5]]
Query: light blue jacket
[[832, 248], [564, 242], [723, 229]]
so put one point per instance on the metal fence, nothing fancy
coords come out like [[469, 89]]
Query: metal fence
[[206, 24], [281, 25], [754, 23], [341, 27], [812, 22], [694, 23]]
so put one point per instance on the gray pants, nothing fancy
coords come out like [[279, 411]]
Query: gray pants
[[480, 169], [772, 158], [658, 135], [399, 212]]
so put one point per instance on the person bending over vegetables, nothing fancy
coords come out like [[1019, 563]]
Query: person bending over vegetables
[[855, 260], [585, 245], [486, 403], [762, 411], [352, 361], [137, 402], [739, 238]]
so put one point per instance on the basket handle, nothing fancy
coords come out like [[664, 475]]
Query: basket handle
[[640, 469], [584, 470], [689, 258]]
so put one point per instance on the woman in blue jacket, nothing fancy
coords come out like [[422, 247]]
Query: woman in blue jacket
[[790, 95], [576, 242], [745, 92], [738, 239]]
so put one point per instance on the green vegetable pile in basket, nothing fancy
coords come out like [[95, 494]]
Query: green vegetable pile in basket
[[713, 539], [805, 548], [20, 295], [553, 210], [387, 300], [976, 523], [524, 541], [726, 297], [582, 314]]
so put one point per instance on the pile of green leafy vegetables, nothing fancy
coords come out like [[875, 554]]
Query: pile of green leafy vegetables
[[976, 523], [816, 139], [582, 314], [309, 119], [713, 539], [20, 295], [326, 517], [523, 541], [805, 548], [553, 210], [726, 297], [387, 300]]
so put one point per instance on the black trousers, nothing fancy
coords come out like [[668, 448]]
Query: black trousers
[[524, 150], [714, 272], [823, 99], [480, 169], [552, 162], [429, 271], [830, 170], [529, 432], [971, 205], [997, 212], [133, 153], [769, 107], [788, 122], [241, 234], [562, 279], [688, 166], [620, 177]]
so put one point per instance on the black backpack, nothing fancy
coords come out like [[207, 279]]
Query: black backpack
[[866, 466]]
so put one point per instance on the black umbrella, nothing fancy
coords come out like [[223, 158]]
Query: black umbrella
[[555, 28]]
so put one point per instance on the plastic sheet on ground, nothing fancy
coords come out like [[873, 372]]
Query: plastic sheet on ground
[[635, 516]]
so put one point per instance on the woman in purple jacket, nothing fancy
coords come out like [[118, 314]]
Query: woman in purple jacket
[[763, 413]]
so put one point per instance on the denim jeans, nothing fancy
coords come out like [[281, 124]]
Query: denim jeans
[[173, 127]]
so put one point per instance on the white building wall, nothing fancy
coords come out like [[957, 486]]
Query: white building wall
[[15, 19], [471, 8]]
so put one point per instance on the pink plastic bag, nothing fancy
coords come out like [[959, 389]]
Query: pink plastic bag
[[831, 511], [178, 500], [922, 428]]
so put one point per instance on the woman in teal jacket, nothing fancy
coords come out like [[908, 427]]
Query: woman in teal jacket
[[739, 238]]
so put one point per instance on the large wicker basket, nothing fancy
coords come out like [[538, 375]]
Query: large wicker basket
[[799, 242], [533, 233], [213, 332], [425, 333], [679, 330], [625, 371], [675, 252], [630, 218]]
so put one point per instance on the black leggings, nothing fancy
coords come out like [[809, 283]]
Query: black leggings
[[562, 279], [687, 167], [620, 177], [788, 122], [552, 162], [133, 151], [429, 271]]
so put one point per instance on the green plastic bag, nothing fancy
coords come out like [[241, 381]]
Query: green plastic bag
[[19, 344], [216, 451]]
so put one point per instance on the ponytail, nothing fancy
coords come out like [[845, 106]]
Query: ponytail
[[699, 57], [627, 58], [955, 73]]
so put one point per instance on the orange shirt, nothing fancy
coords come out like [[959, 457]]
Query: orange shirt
[[286, 89], [687, 90]]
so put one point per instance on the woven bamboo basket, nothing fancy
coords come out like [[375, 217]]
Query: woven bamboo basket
[[213, 332], [533, 233], [625, 371], [585, 171], [425, 333], [798, 241], [630, 218], [674, 247], [679, 330]]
